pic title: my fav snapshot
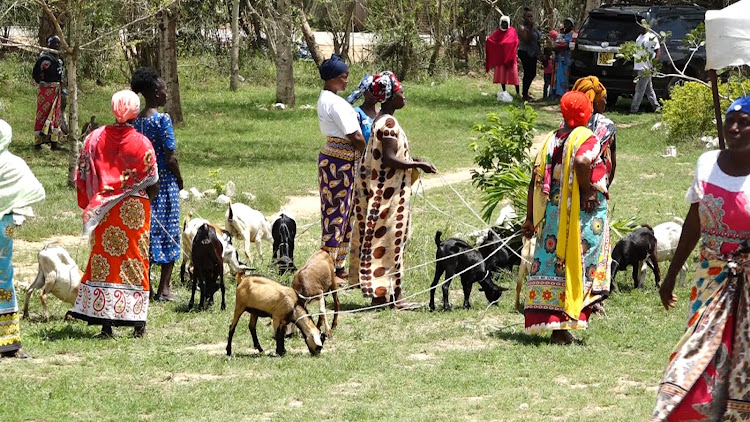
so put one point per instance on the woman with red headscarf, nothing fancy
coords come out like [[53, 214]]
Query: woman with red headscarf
[[502, 54], [116, 179], [570, 271]]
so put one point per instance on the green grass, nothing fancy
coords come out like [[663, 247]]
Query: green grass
[[464, 365]]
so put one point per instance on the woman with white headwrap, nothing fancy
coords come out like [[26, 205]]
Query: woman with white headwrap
[[502, 54], [18, 190], [116, 179]]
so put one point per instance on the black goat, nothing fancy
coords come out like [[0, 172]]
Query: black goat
[[450, 263], [284, 230], [509, 254], [208, 267], [634, 249]]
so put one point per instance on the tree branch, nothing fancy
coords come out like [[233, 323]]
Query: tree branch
[[55, 22], [141, 19], [7, 42]]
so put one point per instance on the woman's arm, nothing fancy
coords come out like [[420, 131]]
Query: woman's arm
[[691, 234], [390, 149], [358, 140], [582, 168], [153, 190], [174, 167], [528, 226]]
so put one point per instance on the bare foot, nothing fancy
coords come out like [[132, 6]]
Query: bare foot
[[106, 333], [139, 332]]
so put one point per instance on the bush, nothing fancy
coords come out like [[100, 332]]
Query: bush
[[502, 155]]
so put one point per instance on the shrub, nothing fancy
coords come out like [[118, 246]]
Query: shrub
[[502, 156]]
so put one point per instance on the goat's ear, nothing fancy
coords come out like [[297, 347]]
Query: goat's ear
[[323, 337]]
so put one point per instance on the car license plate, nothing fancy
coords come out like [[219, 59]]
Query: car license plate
[[605, 59]]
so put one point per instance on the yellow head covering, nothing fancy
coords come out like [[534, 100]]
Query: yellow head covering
[[591, 86]]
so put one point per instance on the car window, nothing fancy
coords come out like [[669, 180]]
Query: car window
[[613, 31], [677, 25]]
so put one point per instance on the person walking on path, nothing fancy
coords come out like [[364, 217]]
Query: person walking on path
[[164, 247], [529, 50], [708, 375], [48, 74], [116, 179], [19, 189], [337, 161], [502, 54], [647, 49]]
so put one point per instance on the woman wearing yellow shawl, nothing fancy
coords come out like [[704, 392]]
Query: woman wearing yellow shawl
[[570, 271]]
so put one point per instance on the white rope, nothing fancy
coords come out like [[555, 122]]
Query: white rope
[[167, 231], [462, 199], [445, 213]]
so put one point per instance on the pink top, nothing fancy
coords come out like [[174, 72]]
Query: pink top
[[724, 206], [548, 65]]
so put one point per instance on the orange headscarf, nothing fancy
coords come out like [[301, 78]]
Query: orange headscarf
[[576, 109]]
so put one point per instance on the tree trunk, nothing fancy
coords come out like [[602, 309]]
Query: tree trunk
[[46, 29], [349, 14], [437, 38], [235, 79], [283, 56], [307, 32], [73, 40], [549, 11], [168, 61]]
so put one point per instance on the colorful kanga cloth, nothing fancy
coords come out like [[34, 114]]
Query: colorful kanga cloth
[[382, 215], [502, 56], [165, 208], [601, 155], [48, 113], [570, 271], [708, 376], [116, 166], [10, 334]]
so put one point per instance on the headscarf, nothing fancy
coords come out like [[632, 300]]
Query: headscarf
[[384, 86], [125, 105], [501, 47], [115, 162], [505, 19], [52, 38], [576, 109], [571, 20], [332, 68], [591, 87], [19, 187], [363, 86], [740, 104]]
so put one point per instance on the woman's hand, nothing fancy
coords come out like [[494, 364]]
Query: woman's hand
[[180, 185], [426, 167], [589, 200], [668, 299], [528, 228]]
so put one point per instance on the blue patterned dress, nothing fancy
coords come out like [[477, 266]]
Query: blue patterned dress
[[165, 208], [365, 123]]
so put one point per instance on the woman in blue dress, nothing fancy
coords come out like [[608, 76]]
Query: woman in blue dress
[[562, 59], [367, 111], [165, 208]]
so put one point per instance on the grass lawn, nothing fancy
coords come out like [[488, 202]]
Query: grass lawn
[[384, 365]]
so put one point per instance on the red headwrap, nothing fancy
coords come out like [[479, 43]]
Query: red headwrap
[[384, 86], [576, 108]]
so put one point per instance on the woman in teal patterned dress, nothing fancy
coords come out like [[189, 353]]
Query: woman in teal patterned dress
[[165, 208]]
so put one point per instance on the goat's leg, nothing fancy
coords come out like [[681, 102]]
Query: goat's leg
[[683, 273], [238, 311], [253, 332], [636, 281], [279, 330], [466, 284], [446, 289], [323, 315], [439, 270], [223, 290], [654, 264], [43, 297], [204, 295], [194, 282], [182, 271], [336, 309]]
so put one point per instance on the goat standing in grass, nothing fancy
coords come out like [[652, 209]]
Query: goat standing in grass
[[208, 267], [263, 297], [316, 278]]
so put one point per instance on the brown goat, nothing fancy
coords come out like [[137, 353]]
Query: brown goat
[[263, 297], [317, 277]]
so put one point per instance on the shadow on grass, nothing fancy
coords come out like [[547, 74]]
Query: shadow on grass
[[519, 337], [66, 332]]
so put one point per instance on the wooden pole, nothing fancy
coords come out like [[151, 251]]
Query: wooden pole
[[717, 106]]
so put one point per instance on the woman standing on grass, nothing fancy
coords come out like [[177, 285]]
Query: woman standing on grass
[[165, 208], [337, 161], [115, 179], [367, 112], [18, 190], [570, 272], [708, 377], [502, 54], [384, 178], [603, 128], [562, 59]]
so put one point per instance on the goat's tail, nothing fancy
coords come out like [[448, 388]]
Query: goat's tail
[[678, 220], [438, 235], [188, 217]]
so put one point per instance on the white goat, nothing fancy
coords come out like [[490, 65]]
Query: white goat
[[527, 257], [667, 236], [248, 224], [58, 274], [189, 229]]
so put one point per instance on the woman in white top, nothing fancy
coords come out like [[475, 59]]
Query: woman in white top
[[336, 162]]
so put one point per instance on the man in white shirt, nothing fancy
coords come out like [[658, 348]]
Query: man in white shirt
[[647, 48], [337, 162]]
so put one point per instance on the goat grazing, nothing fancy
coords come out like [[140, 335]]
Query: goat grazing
[[450, 263], [667, 236], [317, 277], [58, 274], [189, 229], [208, 267], [283, 231], [635, 249], [524, 269], [249, 225], [263, 297]]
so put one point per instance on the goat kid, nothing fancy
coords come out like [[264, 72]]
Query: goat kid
[[189, 229], [263, 297], [450, 263], [208, 267], [667, 237], [58, 274], [316, 278], [249, 225], [636, 249], [283, 231]]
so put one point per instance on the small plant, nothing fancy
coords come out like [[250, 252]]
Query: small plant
[[217, 183], [502, 156]]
